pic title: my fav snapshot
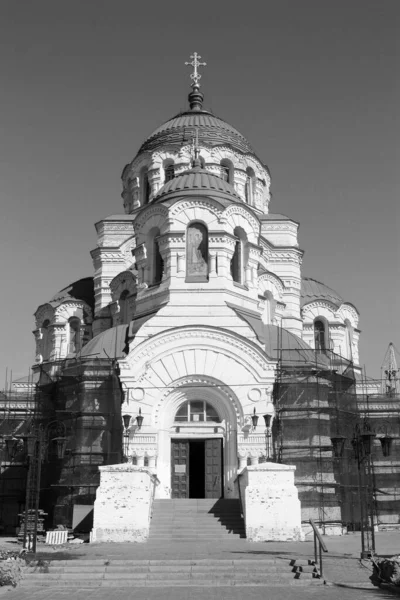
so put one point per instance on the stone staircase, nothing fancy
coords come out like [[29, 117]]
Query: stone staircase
[[201, 520], [189, 545], [170, 573]]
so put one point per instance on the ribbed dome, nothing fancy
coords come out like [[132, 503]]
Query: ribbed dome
[[315, 290], [199, 180], [212, 131], [83, 289]]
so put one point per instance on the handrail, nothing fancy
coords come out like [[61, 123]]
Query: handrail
[[155, 481], [321, 546], [240, 493]]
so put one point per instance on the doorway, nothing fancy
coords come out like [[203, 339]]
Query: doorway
[[196, 468]]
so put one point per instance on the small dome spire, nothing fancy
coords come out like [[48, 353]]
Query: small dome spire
[[196, 98]]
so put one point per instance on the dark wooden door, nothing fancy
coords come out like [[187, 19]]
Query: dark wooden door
[[213, 450], [180, 468]]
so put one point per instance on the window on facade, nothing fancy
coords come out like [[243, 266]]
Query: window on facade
[[197, 411], [124, 307], [319, 336], [156, 263], [169, 173], [227, 170], [197, 252], [250, 185], [74, 345], [145, 186], [349, 340], [45, 339], [238, 261]]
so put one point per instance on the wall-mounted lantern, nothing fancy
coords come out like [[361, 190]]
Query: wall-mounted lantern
[[254, 419], [139, 419]]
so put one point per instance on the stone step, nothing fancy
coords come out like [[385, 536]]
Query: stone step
[[173, 583], [165, 562], [157, 574]]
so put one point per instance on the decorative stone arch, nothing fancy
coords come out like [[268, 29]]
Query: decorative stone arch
[[43, 313], [348, 311], [202, 209], [269, 282], [224, 152], [239, 216], [152, 216], [319, 308], [121, 282], [79, 309]]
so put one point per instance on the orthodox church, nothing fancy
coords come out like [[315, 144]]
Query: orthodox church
[[198, 303]]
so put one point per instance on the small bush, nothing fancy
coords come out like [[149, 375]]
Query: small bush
[[10, 568]]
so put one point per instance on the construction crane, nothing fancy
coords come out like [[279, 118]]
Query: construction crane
[[390, 372]]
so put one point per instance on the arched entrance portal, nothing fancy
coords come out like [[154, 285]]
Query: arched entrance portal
[[197, 453], [196, 462]]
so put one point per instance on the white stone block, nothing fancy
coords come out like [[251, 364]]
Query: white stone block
[[122, 507], [271, 505]]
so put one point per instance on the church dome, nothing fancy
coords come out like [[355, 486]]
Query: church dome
[[199, 180], [83, 289], [212, 131], [311, 290]]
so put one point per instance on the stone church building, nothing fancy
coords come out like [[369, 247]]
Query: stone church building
[[196, 307]]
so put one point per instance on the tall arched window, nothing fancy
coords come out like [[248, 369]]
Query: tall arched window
[[74, 342], [124, 308], [196, 252], [145, 186], [349, 339], [320, 335], [156, 263], [250, 187], [45, 339], [169, 172], [240, 256], [227, 171]]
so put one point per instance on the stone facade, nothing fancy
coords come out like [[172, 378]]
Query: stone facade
[[193, 285]]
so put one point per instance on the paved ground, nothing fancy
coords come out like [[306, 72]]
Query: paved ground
[[341, 565]]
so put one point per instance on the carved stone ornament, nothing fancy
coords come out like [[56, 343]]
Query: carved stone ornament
[[251, 225], [157, 214], [268, 280], [121, 282], [254, 395]]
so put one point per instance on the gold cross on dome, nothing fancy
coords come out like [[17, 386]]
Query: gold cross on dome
[[195, 76]]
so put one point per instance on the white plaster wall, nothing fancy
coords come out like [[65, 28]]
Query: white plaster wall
[[123, 504], [271, 505]]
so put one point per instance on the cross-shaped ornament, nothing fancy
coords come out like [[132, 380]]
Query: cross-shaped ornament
[[195, 76]]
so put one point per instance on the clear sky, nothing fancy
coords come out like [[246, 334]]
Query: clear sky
[[313, 84]]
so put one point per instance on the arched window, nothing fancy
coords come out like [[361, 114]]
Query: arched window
[[156, 263], [124, 308], [145, 186], [169, 172], [45, 339], [250, 186], [196, 252], [202, 162], [227, 171], [320, 335], [74, 342], [349, 339], [197, 411], [240, 256]]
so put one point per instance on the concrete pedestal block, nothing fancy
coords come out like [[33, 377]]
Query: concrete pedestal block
[[271, 506], [123, 504]]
